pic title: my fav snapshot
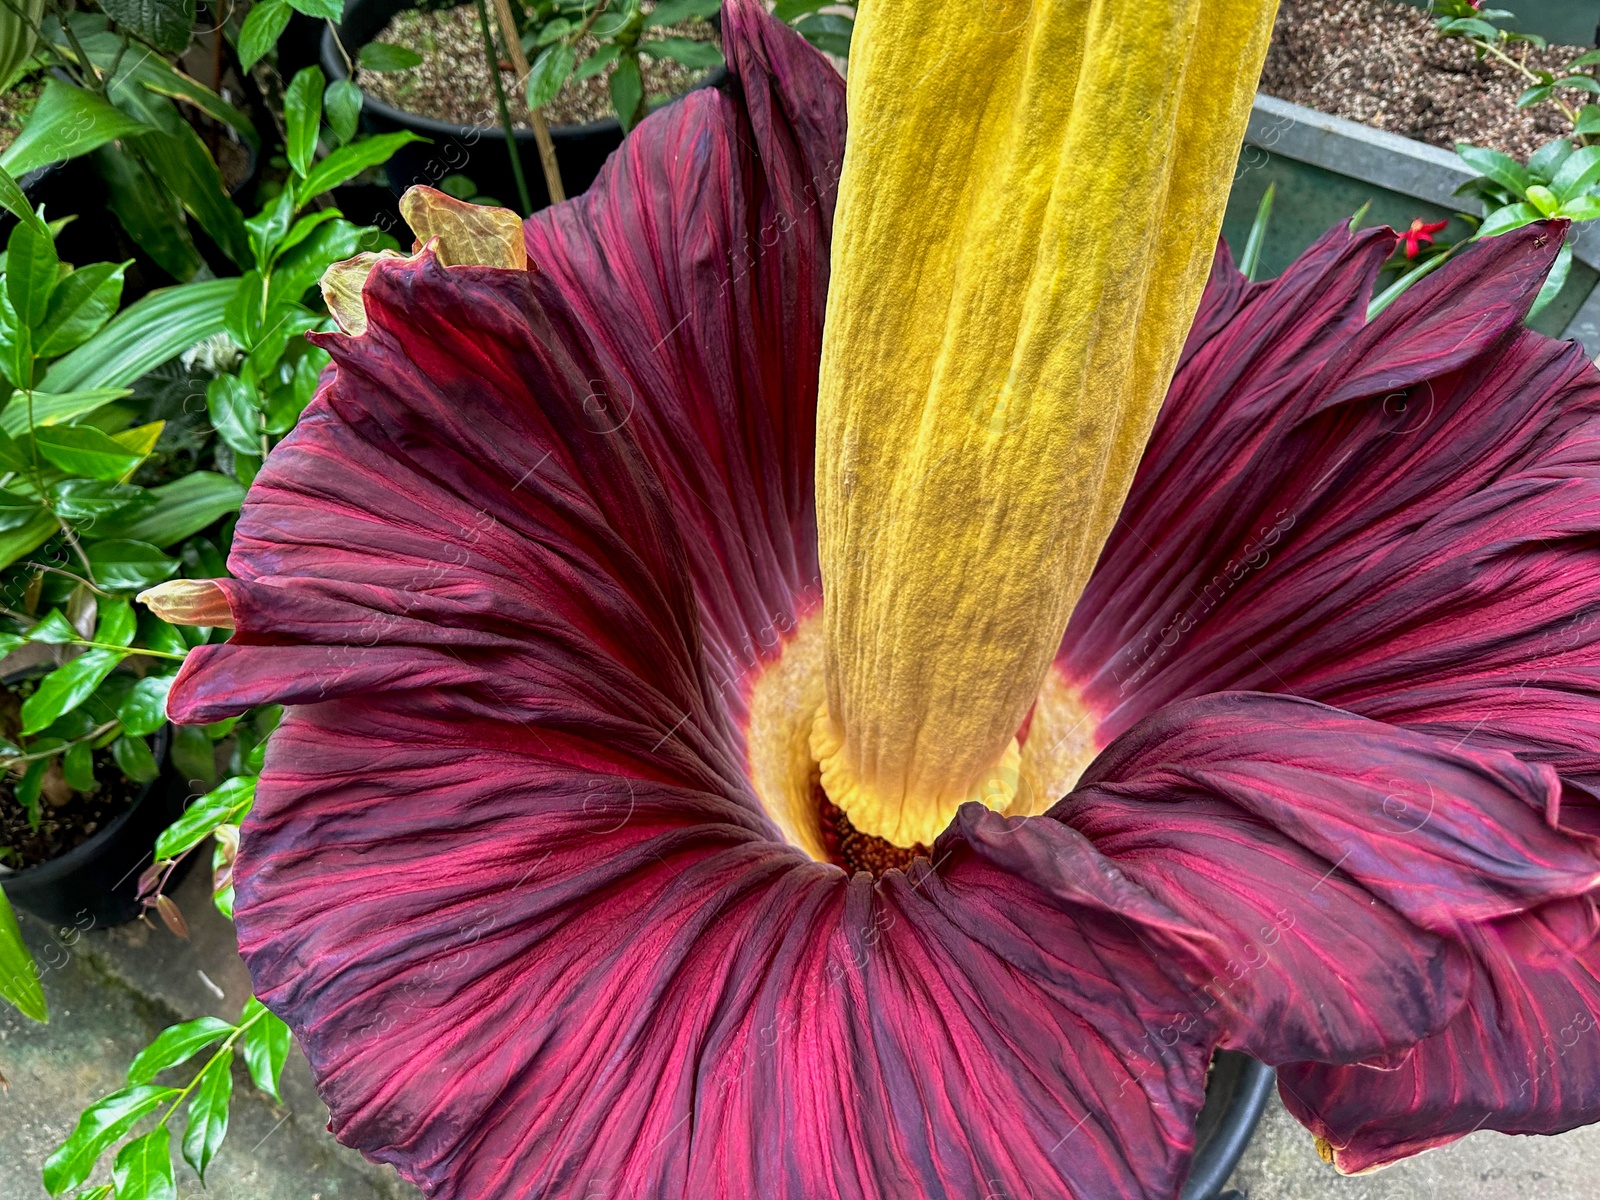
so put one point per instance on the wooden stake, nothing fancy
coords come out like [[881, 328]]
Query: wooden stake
[[541, 128]]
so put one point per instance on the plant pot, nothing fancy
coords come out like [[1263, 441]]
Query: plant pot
[[476, 151], [1236, 1095], [95, 884]]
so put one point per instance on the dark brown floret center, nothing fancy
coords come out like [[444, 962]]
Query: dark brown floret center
[[853, 850]]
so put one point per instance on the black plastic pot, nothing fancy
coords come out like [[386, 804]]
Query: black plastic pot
[[1236, 1096], [95, 884], [476, 151]]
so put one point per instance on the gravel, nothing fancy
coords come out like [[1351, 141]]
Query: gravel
[[452, 84], [1385, 65]]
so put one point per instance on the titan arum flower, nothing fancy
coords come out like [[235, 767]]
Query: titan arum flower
[[692, 784]]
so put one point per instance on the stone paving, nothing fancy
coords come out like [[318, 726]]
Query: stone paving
[[113, 990]]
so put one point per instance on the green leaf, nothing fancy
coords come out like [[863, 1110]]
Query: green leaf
[[53, 630], [1543, 199], [614, 18], [143, 1169], [299, 269], [232, 403], [266, 1046], [261, 30], [671, 12], [134, 759], [1578, 172], [26, 792], [1588, 120], [84, 450], [117, 624], [627, 92], [792, 10], [550, 71], [1586, 59], [66, 687], [67, 121], [224, 805], [176, 1045], [165, 24], [31, 272], [1580, 208], [684, 50], [16, 511], [50, 408], [19, 976], [1547, 159], [124, 565], [1581, 83], [180, 159], [266, 230], [193, 756], [1503, 220], [90, 499], [1554, 282], [1250, 260], [79, 308], [1501, 168], [384, 56], [27, 539], [100, 1125], [144, 710], [182, 509], [305, 227], [208, 1113], [598, 61], [148, 212], [302, 118], [349, 161], [322, 10], [77, 766], [828, 32], [341, 108], [1537, 94], [14, 201], [143, 336]]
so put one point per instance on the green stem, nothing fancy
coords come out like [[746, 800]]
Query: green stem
[[491, 59], [1526, 74], [63, 748], [128, 649], [227, 1044], [1393, 292]]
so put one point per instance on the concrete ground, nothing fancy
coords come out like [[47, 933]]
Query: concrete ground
[[113, 990]]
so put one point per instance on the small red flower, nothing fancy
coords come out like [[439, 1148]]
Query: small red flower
[[1420, 234]]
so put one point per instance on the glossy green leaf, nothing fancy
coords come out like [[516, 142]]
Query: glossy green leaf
[[224, 805], [133, 758], [1501, 168], [144, 335], [322, 10], [266, 1046], [182, 509], [299, 269], [144, 710], [77, 766], [1578, 172], [79, 308], [180, 159], [347, 162], [16, 511], [165, 24], [82, 500], [14, 201], [148, 212], [124, 565], [19, 976], [175, 1045], [31, 272], [261, 30], [26, 539], [1503, 220], [1543, 199], [792, 10], [208, 1113], [384, 56], [1547, 159], [53, 630], [84, 450], [66, 687], [305, 227], [1581, 208], [99, 1126], [67, 121], [627, 92], [232, 404], [549, 73], [143, 1169], [117, 623], [267, 229], [341, 108], [302, 117], [1588, 120], [49, 408], [688, 51]]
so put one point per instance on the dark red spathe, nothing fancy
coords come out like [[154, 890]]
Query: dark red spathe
[[508, 881]]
